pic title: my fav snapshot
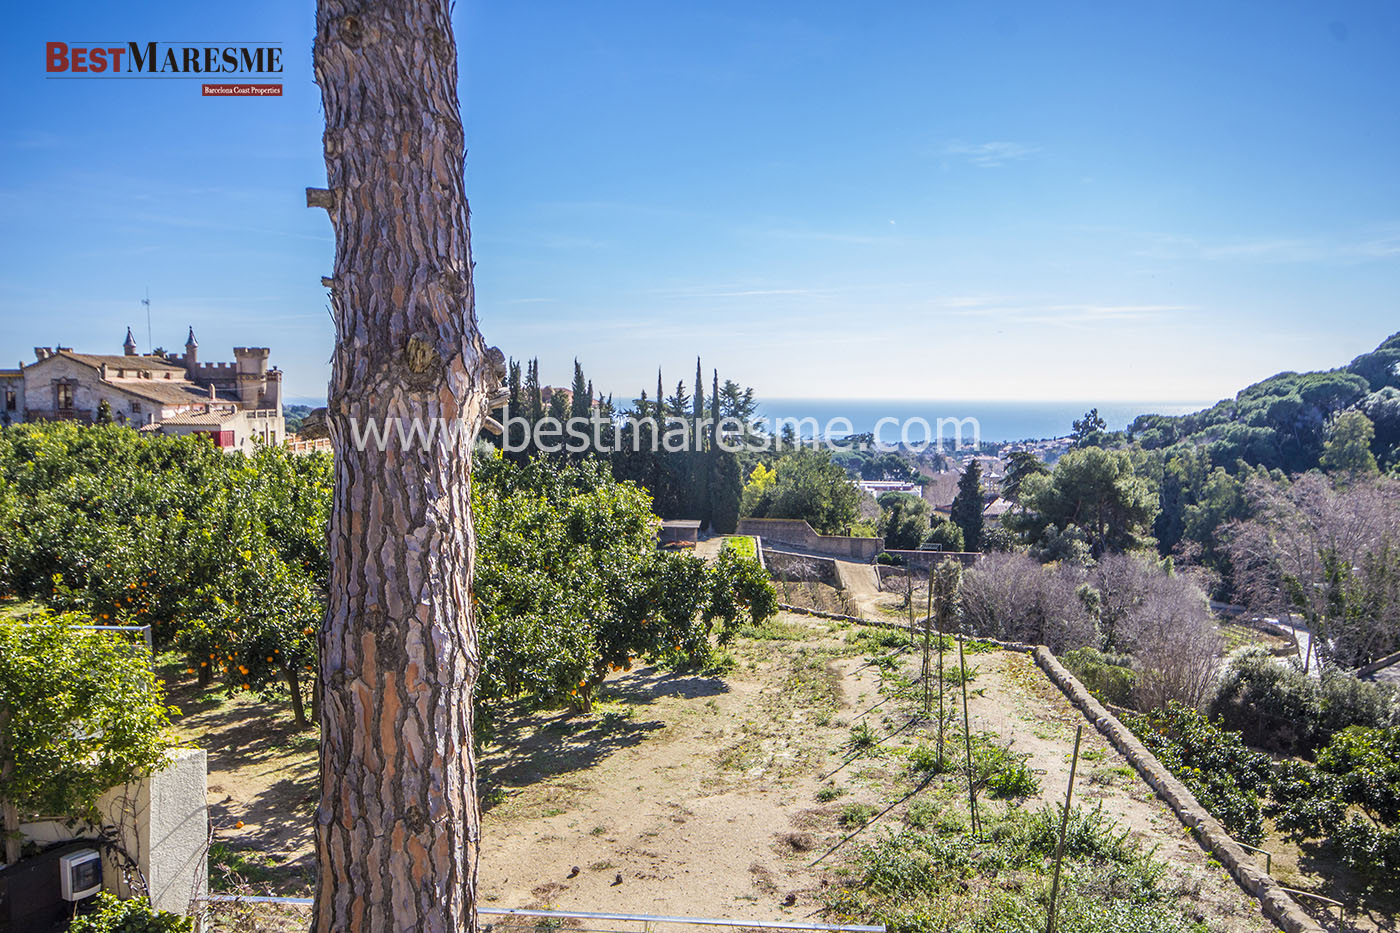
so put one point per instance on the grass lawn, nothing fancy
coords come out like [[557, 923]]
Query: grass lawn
[[743, 545]]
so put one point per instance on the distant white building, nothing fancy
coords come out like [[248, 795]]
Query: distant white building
[[878, 487], [237, 405]]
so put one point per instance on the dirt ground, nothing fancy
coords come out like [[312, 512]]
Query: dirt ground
[[696, 795]]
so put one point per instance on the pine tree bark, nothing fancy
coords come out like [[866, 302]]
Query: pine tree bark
[[398, 823]]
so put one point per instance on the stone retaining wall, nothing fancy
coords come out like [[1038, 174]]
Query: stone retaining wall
[[1276, 903], [795, 532]]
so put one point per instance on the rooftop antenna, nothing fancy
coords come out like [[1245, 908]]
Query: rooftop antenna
[[150, 347]]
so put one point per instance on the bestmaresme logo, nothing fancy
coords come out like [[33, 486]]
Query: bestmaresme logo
[[172, 60]]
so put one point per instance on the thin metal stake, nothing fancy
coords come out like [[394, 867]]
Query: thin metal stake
[[1064, 827], [942, 715], [928, 627], [909, 601], [967, 741]]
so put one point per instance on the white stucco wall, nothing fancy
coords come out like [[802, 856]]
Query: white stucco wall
[[162, 822]]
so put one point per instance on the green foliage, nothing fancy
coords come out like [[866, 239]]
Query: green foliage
[[1212, 762], [1195, 502], [946, 536], [1089, 834], [80, 712], [1279, 423], [1109, 677], [224, 555], [855, 815], [570, 585], [1003, 772], [1275, 706], [1348, 447], [810, 485], [1349, 801], [863, 738], [739, 593], [966, 510], [924, 759], [1089, 431], [904, 520], [114, 915], [726, 489], [1020, 466], [1097, 493], [933, 877], [1383, 408]]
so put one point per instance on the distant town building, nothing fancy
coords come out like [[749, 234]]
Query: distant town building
[[237, 404], [878, 487]]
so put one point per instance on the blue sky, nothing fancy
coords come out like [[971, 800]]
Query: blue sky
[[921, 200]]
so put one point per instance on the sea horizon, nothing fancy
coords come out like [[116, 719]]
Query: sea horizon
[[999, 420]]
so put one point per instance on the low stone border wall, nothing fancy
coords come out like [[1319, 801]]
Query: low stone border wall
[[1366, 670], [821, 614], [1277, 905], [901, 626]]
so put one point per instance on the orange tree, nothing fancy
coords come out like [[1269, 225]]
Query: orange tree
[[224, 555], [571, 584]]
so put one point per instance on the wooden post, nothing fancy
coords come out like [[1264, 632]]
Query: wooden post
[[1064, 826]]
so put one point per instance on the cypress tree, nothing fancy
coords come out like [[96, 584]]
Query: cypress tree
[[513, 411], [582, 399], [697, 410], [699, 466], [966, 511]]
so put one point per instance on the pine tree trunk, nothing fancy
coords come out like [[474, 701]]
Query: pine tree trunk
[[398, 825]]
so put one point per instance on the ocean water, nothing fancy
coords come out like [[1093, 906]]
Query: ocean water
[[998, 420]]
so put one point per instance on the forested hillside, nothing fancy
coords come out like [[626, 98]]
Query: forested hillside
[[1282, 422]]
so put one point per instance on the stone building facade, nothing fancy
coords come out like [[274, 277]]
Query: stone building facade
[[237, 405]]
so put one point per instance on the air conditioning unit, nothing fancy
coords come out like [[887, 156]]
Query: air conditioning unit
[[80, 874]]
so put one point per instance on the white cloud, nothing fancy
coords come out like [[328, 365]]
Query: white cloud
[[988, 154]]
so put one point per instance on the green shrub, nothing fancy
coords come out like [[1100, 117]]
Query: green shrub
[[1212, 762], [947, 882], [830, 793], [1003, 772], [114, 915], [1110, 677], [925, 760], [1349, 802], [1089, 834], [854, 815], [80, 712], [863, 737], [931, 815], [1275, 706]]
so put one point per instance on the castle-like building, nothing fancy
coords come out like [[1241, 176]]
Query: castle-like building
[[238, 404]]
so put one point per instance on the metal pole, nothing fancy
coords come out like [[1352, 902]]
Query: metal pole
[[924, 671], [942, 715], [909, 600], [967, 741], [1064, 826]]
